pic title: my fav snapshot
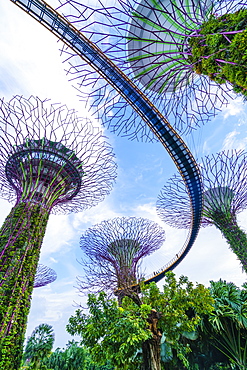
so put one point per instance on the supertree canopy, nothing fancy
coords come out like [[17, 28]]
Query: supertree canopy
[[50, 161], [114, 249], [136, 101], [44, 275], [225, 195], [186, 56]]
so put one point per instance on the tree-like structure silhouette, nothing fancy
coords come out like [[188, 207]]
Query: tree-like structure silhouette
[[182, 54], [114, 250], [225, 195], [44, 275], [51, 161], [88, 51]]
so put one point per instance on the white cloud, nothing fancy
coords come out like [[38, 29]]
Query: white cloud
[[54, 308], [234, 140], [53, 260], [30, 60], [234, 108], [103, 211], [211, 259], [58, 225], [147, 210]]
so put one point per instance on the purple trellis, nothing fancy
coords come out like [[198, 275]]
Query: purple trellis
[[225, 195], [114, 250], [44, 276], [50, 161], [149, 41], [53, 133]]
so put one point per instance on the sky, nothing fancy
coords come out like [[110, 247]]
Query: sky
[[31, 64]]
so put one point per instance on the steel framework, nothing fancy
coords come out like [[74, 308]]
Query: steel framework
[[44, 276], [225, 195], [97, 59], [114, 250], [50, 161], [151, 42]]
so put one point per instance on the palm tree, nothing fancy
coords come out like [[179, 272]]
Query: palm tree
[[39, 345], [226, 327]]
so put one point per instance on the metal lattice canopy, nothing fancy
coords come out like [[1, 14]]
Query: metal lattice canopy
[[50, 156], [44, 276], [224, 190], [150, 41], [114, 250], [134, 100]]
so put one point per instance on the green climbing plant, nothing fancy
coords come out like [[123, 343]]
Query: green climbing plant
[[20, 240], [219, 50]]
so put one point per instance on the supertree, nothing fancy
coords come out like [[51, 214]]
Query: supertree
[[80, 44], [44, 275], [225, 195], [51, 161], [114, 250], [186, 56]]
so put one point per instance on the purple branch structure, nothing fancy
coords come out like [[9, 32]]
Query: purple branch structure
[[51, 161], [44, 276], [154, 43], [225, 195], [114, 249]]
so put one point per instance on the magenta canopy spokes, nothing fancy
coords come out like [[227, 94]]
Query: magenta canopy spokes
[[224, 187]]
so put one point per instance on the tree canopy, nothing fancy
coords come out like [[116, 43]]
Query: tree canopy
[[117, 333]]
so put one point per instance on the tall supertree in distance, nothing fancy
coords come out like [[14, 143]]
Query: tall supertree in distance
[[186, 56], [225, 195], [44, 276], [114, 250], [51, 161]]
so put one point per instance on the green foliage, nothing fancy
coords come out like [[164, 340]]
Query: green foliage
[[111, 332], [117, 333], [222, 335], [182, 306], [220, 54], [20, 240], [235, 237], [39, 345], [227, 325], [221, 340], [74, 357]]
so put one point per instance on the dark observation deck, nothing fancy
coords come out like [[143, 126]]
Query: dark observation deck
[[43, 171]]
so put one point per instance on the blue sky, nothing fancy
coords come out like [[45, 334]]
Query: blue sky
[[30, 64]]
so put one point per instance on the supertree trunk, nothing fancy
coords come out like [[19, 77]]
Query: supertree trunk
[[51, 161], [235, 237], [21, 238], [225, 184]]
